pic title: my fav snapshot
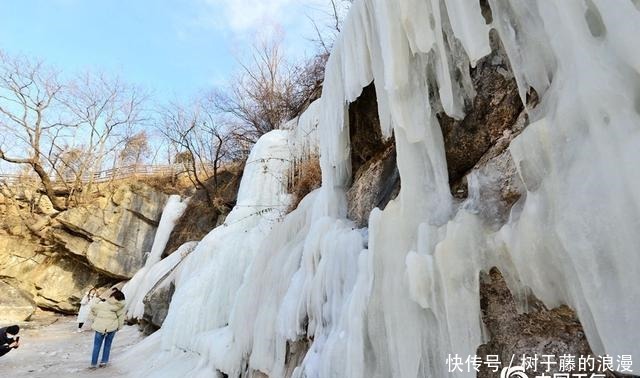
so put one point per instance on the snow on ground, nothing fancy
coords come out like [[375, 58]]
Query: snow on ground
[[56, 350]]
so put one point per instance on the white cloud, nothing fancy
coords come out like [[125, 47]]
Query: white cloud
[[242, 22], [247, 16]]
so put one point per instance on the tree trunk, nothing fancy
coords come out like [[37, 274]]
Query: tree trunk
[[48, 187]]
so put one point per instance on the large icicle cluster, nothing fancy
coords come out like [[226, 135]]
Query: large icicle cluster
[[394, 300]]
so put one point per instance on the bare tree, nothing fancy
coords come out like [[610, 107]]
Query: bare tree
[[330, 24], [30, 116], [68, 163], [262, 95], [201, 142], [107, 112], [62, 130], [136, 148]]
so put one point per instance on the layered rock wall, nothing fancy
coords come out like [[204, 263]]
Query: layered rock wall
[[50, 259]]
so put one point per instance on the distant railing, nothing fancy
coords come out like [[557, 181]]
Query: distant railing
[[113, 174]]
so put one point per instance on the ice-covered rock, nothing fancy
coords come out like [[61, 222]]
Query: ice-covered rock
[[539, 331], [375, 184]]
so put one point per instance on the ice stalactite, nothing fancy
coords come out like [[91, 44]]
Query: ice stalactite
[[394, 300], [149, 274]]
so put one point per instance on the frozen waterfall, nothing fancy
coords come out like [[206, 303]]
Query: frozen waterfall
[[394, 300], [154, 268]]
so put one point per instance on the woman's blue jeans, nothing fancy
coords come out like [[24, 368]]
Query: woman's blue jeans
[[99, 338]]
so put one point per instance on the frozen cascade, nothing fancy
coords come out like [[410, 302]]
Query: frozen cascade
[[394, 301], [153, 269], [210, 276]]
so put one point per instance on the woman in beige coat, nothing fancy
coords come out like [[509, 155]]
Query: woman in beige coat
[[108, 318]]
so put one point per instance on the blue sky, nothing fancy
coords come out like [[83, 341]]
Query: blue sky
[[172, 47]]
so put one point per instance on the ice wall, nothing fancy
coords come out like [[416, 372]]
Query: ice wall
[[394, 300]]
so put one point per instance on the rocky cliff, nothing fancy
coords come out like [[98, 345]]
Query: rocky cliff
[[49, 259]]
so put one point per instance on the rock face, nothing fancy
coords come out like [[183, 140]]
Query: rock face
[[376, 179], [494, 182], [296, 351], [113, 236], [16, 305], [539, 332], [204, 217], [376, 183], [364, 128], [156, 306], [54, 258], [495, 109], [51, 279]]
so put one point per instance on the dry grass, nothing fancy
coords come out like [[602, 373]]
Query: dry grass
[[200, 217], [306, 178], [166, 184]]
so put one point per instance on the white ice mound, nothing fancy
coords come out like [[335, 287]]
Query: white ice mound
[[214, 271]]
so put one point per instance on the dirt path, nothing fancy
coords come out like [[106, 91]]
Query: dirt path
[[50, 347]]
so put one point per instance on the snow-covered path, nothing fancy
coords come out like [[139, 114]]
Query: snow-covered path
[[57, 351]]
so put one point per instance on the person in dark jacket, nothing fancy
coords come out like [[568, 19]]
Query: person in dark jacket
[[9, 339]]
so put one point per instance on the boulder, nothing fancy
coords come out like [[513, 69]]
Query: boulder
[[45, 206], [52, 279], [156, 304], [15, 304]]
